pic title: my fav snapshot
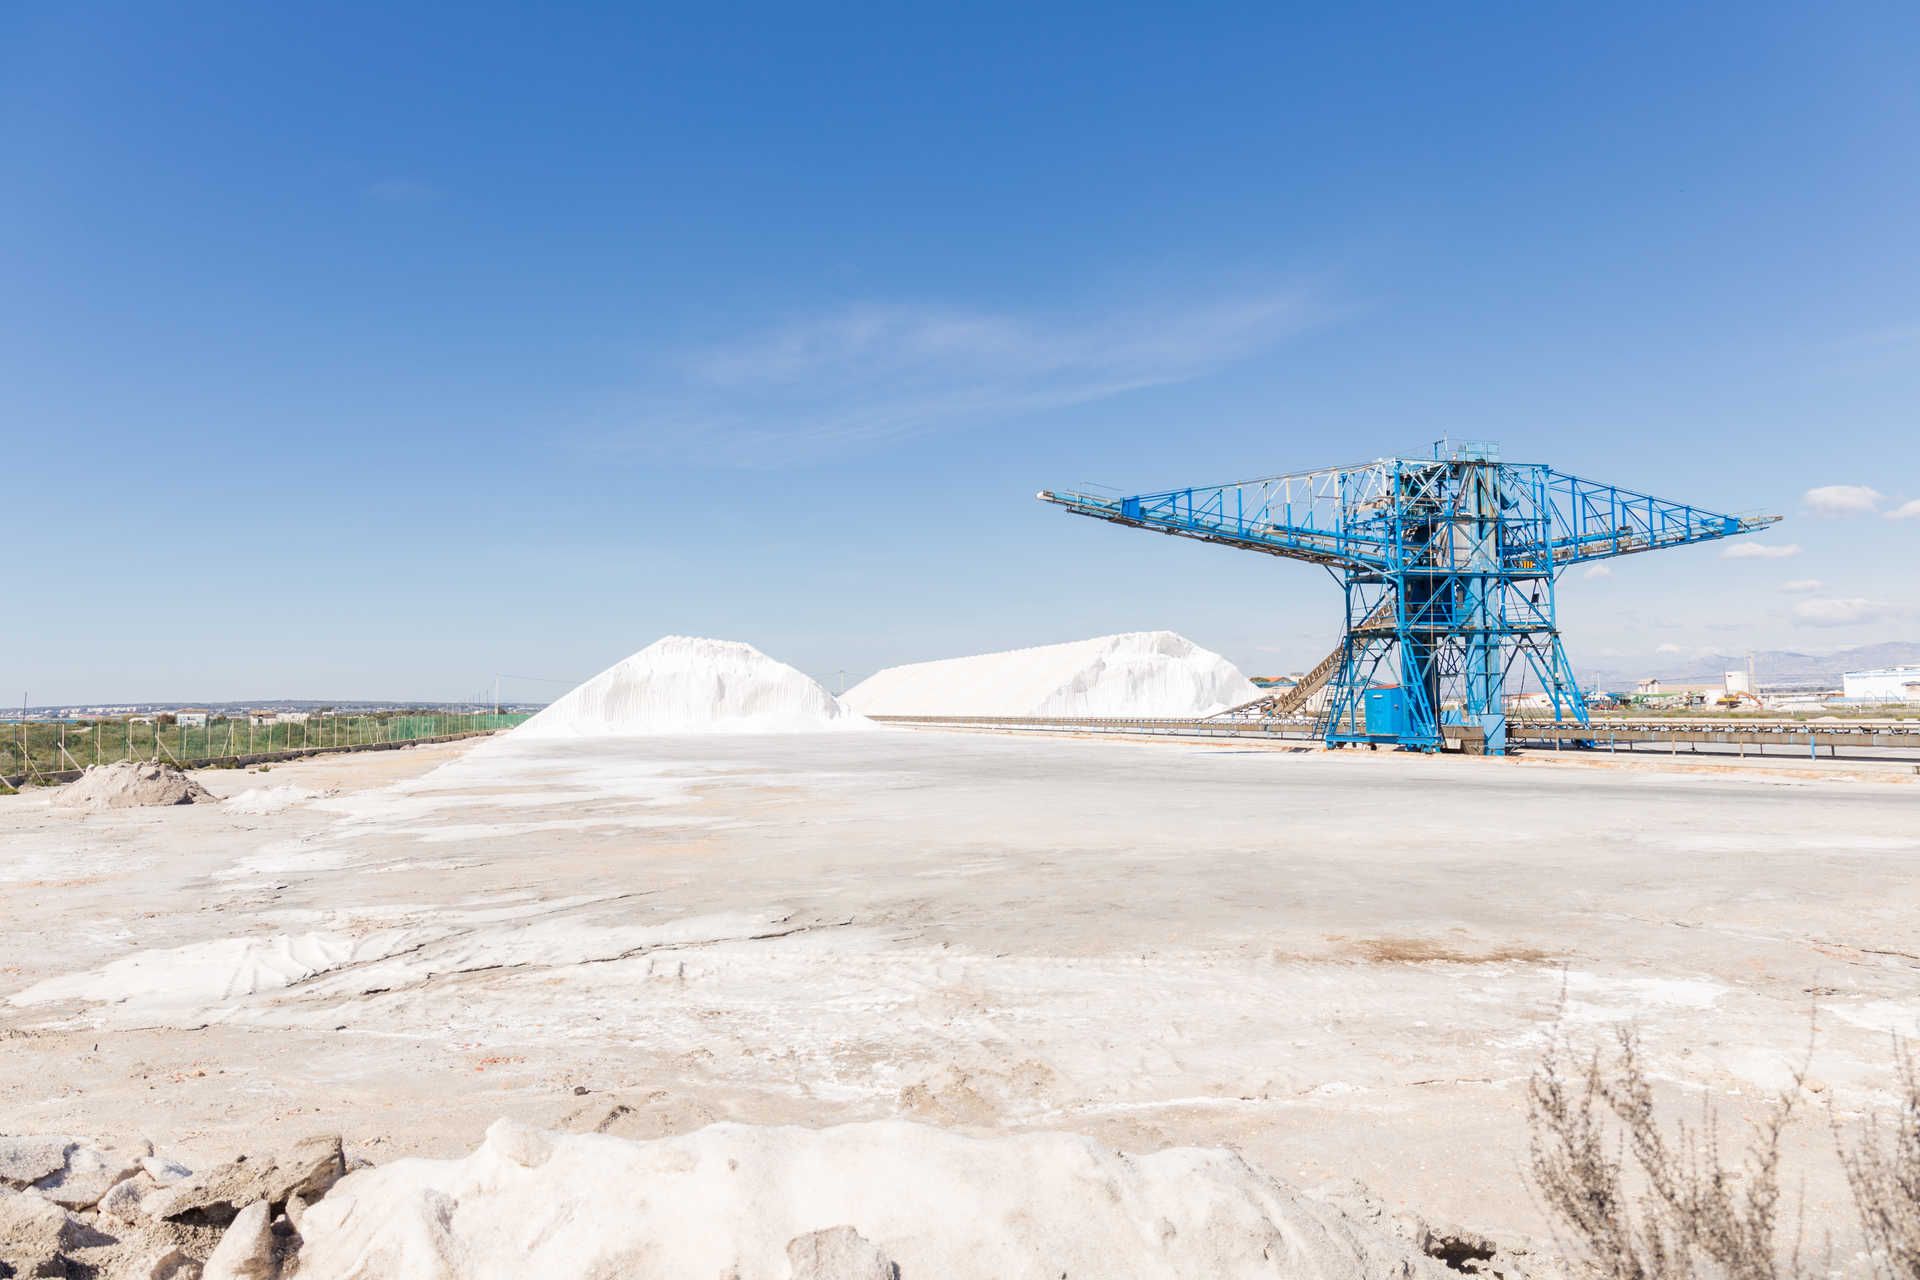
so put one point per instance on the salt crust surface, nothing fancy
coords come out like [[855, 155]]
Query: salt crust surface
[[261, 801], [1140, 673], [727, 1200], [682, 684], [204, 973], [212, 981]]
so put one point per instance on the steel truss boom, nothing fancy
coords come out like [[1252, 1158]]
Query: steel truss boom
[[1449, 565]]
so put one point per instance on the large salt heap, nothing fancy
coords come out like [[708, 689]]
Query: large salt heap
[[685, 685], [1141, 673], [852, 1202]]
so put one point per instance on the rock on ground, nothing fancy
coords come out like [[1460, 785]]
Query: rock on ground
[[86, 1176], [26, 1160], [838, 1253], [216, 1197], [36, 1233], [163, 1262], [245, 1252]]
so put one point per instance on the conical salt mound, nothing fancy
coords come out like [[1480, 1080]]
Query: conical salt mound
[[1141, 673], [686, 685]]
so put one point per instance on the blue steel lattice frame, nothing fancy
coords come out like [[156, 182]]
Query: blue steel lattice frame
[[1449, 565]]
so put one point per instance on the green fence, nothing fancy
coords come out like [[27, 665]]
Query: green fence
[[31, 750]]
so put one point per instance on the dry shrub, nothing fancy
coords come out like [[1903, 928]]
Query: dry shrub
[[1883, 1170], [1644, 1205], [1647, 1201]]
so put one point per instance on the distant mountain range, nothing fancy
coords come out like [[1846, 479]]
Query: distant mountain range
[[1772, 668]]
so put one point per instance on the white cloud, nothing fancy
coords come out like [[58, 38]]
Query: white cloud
[[1670, 647], [875, 371], [1598, 571], [1840, 611], [1909, 510], [1842, 499], [1760, 551], [1802, 584]]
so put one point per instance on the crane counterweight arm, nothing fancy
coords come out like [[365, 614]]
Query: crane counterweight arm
[[1594, 521], [1259, 515]]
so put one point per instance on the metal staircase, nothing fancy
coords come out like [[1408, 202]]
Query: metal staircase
[[1291, 702]]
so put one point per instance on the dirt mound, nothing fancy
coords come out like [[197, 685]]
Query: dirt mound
[[131, 784]]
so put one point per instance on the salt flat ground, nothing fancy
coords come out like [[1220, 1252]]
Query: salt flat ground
[[1342, 965]]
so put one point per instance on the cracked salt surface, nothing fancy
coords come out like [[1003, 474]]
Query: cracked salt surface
[[1160, 945], [207, 973]]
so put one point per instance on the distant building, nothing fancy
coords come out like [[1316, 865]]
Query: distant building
[[1647, 687], [1888, 684]]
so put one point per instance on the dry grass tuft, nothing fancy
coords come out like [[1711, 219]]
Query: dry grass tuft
[[1643, 1200], [1642, 1204], [1883, 1170], [1403, 950]]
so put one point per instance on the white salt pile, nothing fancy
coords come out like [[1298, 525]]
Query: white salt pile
[[131, 784], [261, 801], [1141, 673], [845, 1203], [686, 685]]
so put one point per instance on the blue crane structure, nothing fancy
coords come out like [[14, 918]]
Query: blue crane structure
[[1449, 565]]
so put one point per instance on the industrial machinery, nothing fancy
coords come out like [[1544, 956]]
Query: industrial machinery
[[1449, 565]]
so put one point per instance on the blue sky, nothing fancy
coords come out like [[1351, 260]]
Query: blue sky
[[373, 350]]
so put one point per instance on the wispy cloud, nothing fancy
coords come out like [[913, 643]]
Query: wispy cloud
[[401, 191], [1893, 336], [1760, 551], [1909, 510], [1842, 499], [1598, 571], [1841, 611], [876, 371], [1802, 585]]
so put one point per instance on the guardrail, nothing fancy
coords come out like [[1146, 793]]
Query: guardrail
[[1731, 724], [1779, 739], [47, 777], [1797, 739]]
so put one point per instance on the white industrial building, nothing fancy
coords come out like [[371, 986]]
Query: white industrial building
[[1888, 684]]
